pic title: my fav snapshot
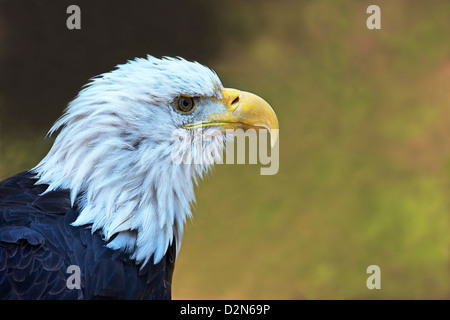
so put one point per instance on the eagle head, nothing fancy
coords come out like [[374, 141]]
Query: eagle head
[[115, 148]]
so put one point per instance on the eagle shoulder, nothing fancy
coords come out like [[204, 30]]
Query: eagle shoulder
[[38, 244]]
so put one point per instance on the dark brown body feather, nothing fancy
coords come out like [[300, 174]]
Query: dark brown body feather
[[38, 244]]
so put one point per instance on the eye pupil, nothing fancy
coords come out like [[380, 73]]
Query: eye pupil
[[185, 104]]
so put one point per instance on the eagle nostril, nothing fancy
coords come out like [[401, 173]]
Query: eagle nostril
[[235, 103]]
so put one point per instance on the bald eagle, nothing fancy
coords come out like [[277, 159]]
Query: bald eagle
[[107, 204]]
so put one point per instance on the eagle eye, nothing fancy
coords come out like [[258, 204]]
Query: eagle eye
[[185, 104]]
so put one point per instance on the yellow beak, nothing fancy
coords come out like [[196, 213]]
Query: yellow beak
[[244, 110]]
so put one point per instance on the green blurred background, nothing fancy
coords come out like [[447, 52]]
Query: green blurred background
[[364, 118]]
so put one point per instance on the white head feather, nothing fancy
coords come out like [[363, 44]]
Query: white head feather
[[114, 153]]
